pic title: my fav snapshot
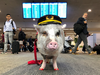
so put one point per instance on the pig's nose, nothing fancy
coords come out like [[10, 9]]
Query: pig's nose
[[52, 45]]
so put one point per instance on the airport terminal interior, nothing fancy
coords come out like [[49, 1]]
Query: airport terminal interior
[[33, 31]]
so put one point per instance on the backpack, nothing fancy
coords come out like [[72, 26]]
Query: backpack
[[14, 31], [97, 48], [78, 28]]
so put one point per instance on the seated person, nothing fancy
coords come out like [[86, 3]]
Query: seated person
[[30, 41]]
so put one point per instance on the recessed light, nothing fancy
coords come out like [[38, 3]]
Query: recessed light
[[89, 10], [33, 19]]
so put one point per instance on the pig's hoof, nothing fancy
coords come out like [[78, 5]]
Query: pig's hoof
[[56, 69], [41, 69]]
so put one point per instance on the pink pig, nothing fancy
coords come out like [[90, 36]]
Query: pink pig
[[50, 42]]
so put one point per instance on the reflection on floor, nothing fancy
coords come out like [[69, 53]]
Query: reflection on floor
[[83, 64]]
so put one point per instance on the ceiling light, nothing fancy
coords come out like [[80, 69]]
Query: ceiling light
[[89, 10], [33, 19], [0, 11]]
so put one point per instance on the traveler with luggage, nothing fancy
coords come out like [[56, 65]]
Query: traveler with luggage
[[9, 29], [80, 28]]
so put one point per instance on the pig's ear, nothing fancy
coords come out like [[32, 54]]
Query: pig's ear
[[37, 28], [63, 26]]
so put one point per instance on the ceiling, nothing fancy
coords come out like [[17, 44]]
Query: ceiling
[[75, 9]]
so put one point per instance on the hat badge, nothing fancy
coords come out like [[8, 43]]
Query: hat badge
[[52, 17]]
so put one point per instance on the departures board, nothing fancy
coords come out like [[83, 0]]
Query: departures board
[[37, 10]]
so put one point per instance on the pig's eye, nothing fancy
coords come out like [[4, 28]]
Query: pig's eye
[[58, 34], [44, 33]]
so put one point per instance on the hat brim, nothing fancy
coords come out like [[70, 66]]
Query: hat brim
[[49, 22]]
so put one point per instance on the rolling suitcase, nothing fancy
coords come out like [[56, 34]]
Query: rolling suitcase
[[30, 48], [1, 45], [15, 47]]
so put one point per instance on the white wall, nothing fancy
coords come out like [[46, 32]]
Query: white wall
[[97, 38], [90, 41], [94, 39]]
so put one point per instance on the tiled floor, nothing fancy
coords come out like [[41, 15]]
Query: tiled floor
[[68, 64]]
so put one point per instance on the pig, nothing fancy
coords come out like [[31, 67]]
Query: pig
[[50, 42]]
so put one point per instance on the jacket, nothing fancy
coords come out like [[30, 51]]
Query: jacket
[[81, 21], [21, 35]]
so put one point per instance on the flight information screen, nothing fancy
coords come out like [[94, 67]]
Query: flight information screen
[[35, 10], [44, 9], [27, 10], [53, 9], [62, 10]]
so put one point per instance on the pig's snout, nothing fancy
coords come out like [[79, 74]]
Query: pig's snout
[[52, 45]]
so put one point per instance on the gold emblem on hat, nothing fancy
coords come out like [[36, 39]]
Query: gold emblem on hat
[[52, 17]]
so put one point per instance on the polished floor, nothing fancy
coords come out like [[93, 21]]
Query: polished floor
[[82, 64]]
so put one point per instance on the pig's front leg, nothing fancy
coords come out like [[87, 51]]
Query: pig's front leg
[[43, 65], [55, 63]]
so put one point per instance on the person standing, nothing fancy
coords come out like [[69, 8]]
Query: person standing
[[83, 35], [21, 37], [8, 31]]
